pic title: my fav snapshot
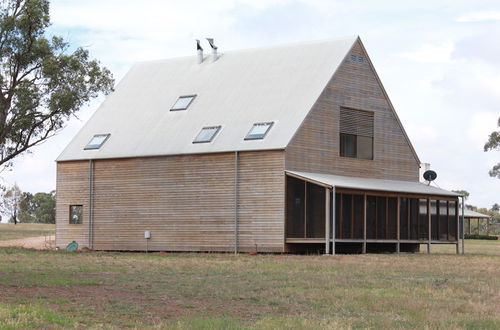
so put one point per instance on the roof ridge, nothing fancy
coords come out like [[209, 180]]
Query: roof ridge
[[352, 37]]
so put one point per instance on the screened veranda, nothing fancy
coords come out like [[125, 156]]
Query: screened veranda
[[367, 216]]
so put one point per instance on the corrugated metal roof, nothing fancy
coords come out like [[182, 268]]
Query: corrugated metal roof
[[275, 84], [473, 214], [338, 181]]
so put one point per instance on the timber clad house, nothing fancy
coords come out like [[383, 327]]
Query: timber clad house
[[279, 149]]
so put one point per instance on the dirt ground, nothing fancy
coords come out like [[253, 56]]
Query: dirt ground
[[38, 243]]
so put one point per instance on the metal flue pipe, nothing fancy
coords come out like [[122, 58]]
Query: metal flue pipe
[[199, 50], [215, 55]]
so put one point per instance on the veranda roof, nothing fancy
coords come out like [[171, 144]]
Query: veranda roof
[[398, 186], [476, 215]]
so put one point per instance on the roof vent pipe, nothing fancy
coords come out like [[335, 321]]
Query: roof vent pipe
[[199, 50], [215, 56]]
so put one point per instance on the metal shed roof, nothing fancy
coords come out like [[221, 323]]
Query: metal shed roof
[[275, 84], [399, 186], [473, 214]]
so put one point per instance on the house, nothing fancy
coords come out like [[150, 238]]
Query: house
[[469, 215], [277, 149]]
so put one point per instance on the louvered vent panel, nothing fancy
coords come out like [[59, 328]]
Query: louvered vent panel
[[356, 122]]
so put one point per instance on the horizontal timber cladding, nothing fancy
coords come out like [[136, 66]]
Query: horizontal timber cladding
[[187, 202], [261, 204], [72, 189], [316, 145]]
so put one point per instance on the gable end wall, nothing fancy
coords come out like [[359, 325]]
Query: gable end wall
[[316, 145]]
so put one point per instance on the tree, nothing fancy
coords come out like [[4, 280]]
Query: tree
[[41, 84], [495, 207], [493, 143], [45, 207], [470, 207], [26, 207], [10, 203], [40, 207], [464, 193]]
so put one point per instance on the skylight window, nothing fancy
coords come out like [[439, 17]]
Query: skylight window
[[207, 134], [258, 131], [97, 141], [183, 102]]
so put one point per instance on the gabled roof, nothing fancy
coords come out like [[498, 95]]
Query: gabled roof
[[274, 84]]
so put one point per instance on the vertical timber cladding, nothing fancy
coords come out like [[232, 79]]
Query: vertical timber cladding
[[316, 145], [72, 189], [187, 202]]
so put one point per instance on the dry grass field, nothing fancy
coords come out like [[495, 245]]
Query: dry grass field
[[49, 289], [479, 247], [9, 231]]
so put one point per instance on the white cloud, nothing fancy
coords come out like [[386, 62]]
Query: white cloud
[[153, 19], [479, 16], [262, 4], [420, 133], [480, 126], [430, 53], [470, 86]]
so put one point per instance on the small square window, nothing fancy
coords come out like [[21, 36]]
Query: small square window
[[259, 131], [353, 58], [361, 59], [207, 134], [97, 141], [183, 102], [75, 214]]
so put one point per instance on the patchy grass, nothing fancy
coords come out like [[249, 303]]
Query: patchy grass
[[32, 316], [479, 247], [224, 291], [9, 231]]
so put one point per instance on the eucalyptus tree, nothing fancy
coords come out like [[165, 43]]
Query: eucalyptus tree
[[42, 82], [493, 143]]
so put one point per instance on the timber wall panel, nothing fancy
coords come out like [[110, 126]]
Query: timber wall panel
[[316, 145], [261, 201], [187, 202], [72, 189]]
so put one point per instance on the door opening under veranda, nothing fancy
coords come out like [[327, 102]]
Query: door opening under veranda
[[336, 214]]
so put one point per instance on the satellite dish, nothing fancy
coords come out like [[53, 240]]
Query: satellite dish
[[430, 175]]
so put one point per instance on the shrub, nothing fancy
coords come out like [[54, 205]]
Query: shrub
[[476, 236]]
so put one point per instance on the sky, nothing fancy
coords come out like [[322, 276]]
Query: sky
[[438, 61]]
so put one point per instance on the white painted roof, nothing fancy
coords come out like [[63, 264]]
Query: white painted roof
[[400, 186], [473, 214], [278, 84]]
